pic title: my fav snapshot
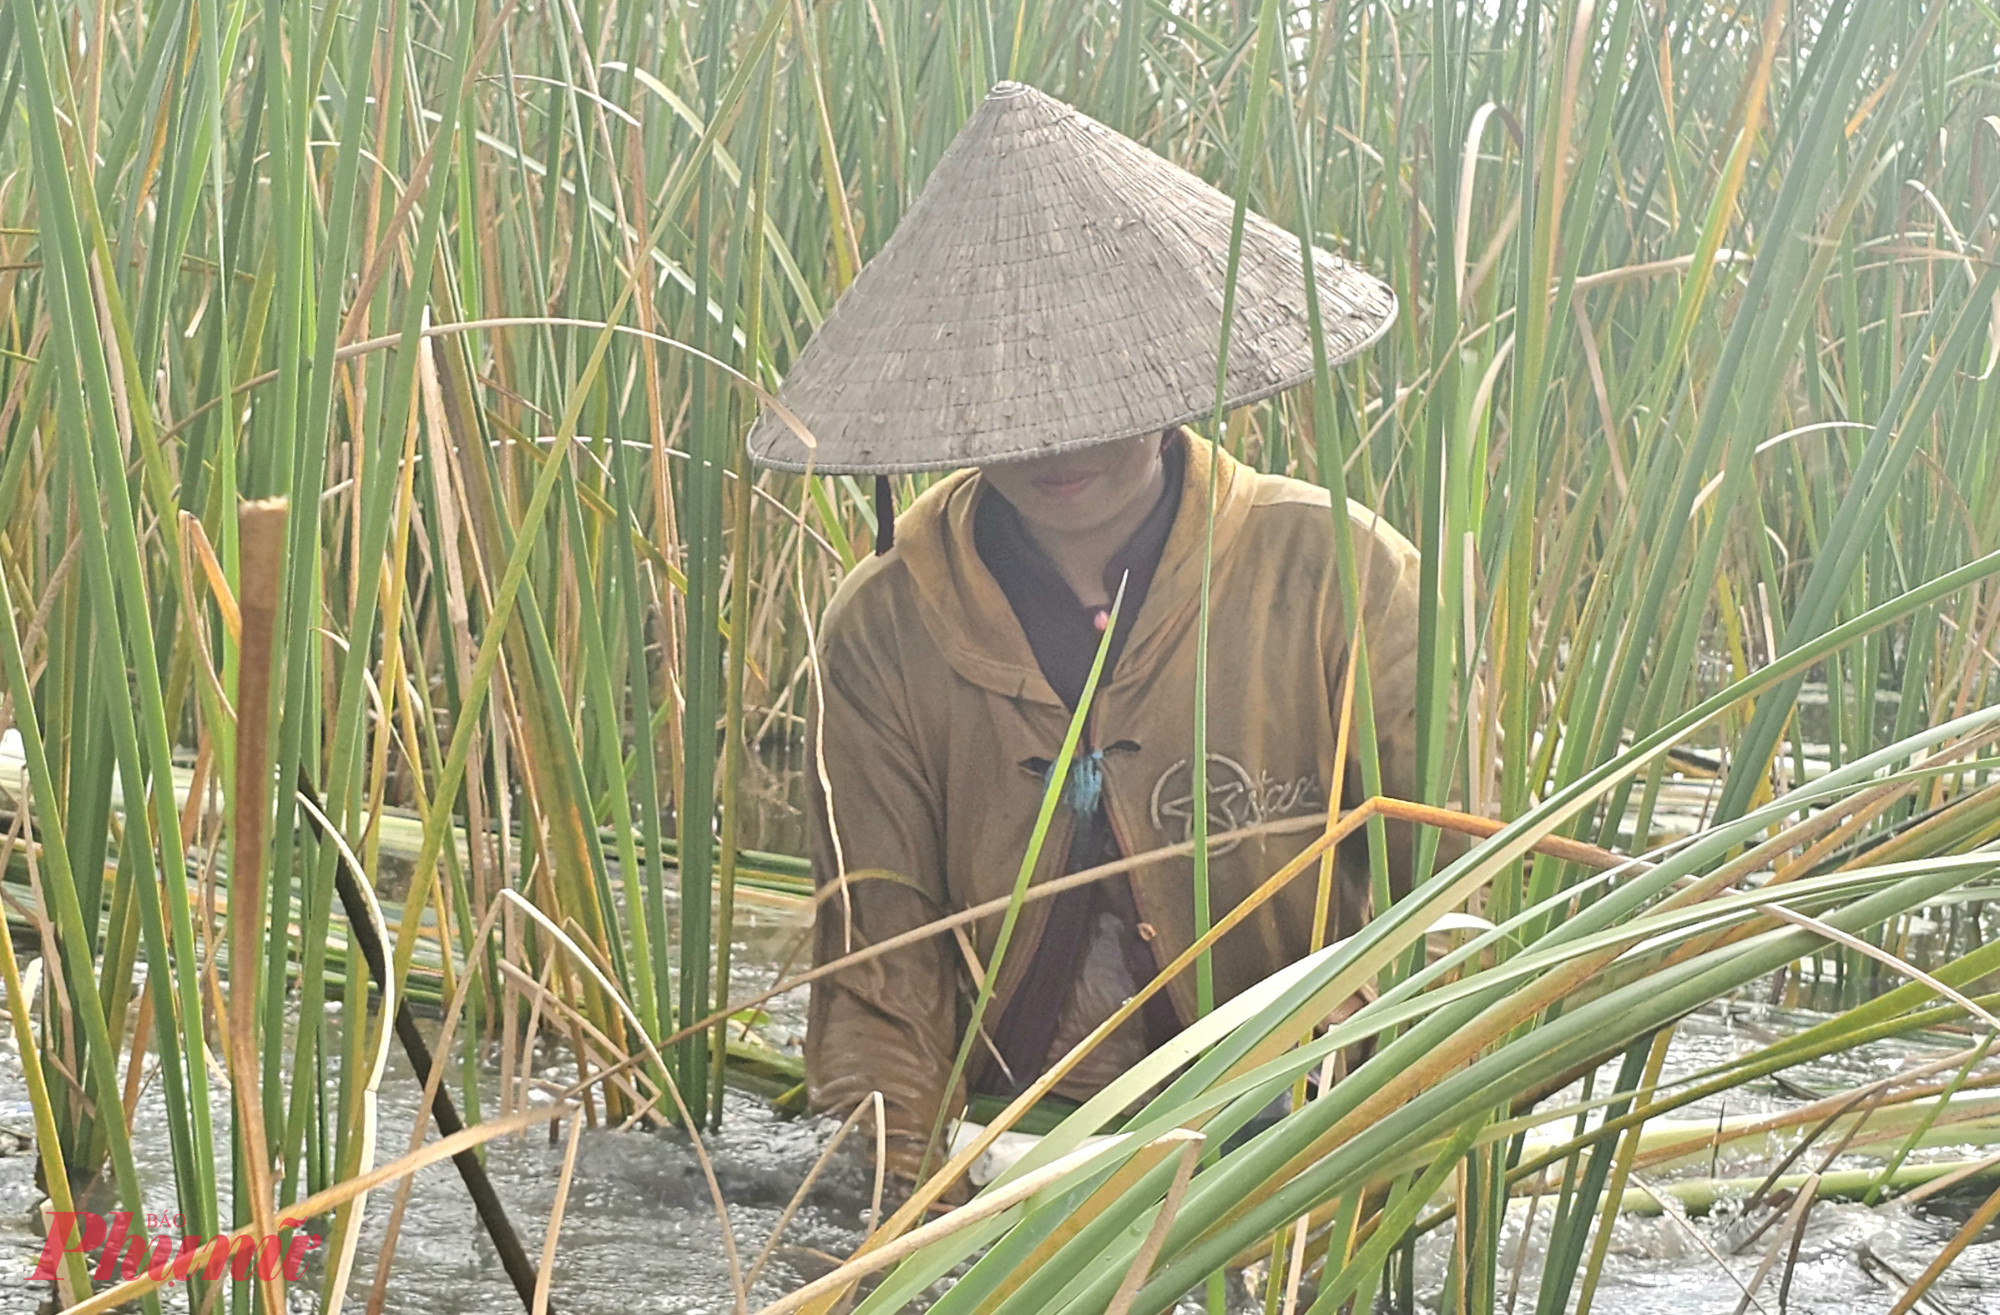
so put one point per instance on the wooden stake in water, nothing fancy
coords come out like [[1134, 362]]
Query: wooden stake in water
[[261, 536]]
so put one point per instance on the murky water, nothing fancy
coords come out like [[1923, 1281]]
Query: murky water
[[640, 1233], [1850, 1255], [1846, 1264]]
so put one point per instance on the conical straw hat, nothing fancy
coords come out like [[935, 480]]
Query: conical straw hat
[[1056, 285]]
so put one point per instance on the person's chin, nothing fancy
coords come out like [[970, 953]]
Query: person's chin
[[1069, 517]]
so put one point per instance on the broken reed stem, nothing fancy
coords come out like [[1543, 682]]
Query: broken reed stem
[[548, 1265], [436, 1102], [261, 569]]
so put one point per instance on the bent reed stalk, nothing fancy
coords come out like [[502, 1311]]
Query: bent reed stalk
[[1691, 409]]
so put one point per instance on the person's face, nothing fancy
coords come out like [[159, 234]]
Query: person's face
[[1078, 492]]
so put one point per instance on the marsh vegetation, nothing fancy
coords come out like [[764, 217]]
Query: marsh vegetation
[[1691, 407]]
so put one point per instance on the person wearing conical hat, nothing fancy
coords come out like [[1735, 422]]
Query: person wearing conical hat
[[1048, 315]]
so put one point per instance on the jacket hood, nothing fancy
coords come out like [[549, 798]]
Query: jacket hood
[[974, 626]]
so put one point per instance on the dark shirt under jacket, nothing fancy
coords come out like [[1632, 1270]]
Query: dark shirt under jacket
[[1064, 634]]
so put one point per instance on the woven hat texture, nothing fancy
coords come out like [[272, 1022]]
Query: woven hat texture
[[1055, 286]]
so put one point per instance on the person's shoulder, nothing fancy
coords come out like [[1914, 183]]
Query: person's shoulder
[[1294, 506], [1284, 493], [870, 593]]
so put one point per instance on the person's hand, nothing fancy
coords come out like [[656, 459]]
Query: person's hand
[[1346, 1009], [1350, 1057], [898, 1185]]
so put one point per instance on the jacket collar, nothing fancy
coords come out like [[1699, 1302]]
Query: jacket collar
[[974, 626]]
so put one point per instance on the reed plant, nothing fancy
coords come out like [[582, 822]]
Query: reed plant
[[1691, 408]]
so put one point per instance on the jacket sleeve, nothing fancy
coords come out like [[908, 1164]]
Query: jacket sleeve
[[888, 1024]]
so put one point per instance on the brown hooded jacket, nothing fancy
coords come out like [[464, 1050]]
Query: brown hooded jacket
[[932, 700]]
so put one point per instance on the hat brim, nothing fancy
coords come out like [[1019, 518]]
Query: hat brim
[[776, 446]]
